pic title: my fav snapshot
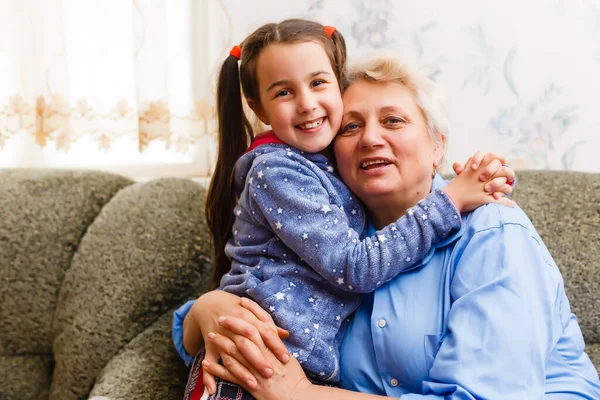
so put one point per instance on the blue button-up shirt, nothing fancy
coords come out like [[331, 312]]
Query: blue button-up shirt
[[484, 317]]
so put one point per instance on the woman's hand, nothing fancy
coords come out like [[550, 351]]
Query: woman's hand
[[242, 344], [239, 349], [203, 318]]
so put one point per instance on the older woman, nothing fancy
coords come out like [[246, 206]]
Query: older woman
[[485, 315]]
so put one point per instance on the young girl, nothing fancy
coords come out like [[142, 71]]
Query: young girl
[[286, 230]]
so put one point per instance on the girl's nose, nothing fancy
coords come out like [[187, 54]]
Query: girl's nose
[[307, 103]]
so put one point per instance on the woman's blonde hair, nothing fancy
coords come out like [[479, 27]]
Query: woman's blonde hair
[[429, 96]]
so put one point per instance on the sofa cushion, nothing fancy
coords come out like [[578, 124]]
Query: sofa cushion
[[146, 252], [148, 361], [43, 215], [25, 376], [565, 209], [593, 350]]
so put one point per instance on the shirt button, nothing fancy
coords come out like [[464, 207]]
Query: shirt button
[[394, 382], [382, 323]]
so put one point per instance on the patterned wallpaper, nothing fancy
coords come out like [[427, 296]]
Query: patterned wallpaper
[[522, 77]]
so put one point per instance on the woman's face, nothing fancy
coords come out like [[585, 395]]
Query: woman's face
[[383, 149]]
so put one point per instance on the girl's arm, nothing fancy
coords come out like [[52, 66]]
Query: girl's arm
[[290, 197]]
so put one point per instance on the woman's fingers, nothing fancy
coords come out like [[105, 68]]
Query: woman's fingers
[[271, 340], [283, 333], [258, 311], [212, 356], [248, 343], [221, 372], [233, 362], [209, 381]]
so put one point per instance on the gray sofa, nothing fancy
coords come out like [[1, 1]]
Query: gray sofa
[[92, 266]]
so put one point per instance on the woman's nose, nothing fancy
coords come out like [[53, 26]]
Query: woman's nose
[[307, 103], [371, 136]]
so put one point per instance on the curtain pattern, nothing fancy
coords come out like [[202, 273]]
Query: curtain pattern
[[107, 79]]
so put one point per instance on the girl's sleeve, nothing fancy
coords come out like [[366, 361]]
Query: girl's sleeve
[[294, 202]]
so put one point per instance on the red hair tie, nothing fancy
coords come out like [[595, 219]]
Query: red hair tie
[[329, 30], [236, 51]]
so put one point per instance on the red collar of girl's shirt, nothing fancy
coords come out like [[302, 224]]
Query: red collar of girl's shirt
[[264, 138]]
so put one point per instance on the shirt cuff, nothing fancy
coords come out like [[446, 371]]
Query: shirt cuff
[[177, 331]]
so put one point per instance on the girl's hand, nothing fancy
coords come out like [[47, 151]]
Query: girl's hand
[[204, 317], [480, 159], [474, 162], [238, 348], [485, 180]]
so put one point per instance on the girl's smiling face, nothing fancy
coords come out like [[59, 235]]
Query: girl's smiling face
[[299, 95]]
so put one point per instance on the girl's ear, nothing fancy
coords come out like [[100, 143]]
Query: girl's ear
[[258, 110]]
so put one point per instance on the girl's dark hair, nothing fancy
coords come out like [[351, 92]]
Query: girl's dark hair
[[235, 131]]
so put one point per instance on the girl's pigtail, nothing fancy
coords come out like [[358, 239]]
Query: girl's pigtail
[[235, 132], [340, 57]]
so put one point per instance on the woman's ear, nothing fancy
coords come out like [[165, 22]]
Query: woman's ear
[[258, 110], [438, 152]]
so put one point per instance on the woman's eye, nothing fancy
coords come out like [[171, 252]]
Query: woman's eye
[[349, 128], [394, 120]]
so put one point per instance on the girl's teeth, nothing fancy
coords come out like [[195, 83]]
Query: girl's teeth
[[311, 125]]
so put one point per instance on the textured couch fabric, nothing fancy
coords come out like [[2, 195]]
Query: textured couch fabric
[[565, 209], [92, 266], [89, 262]]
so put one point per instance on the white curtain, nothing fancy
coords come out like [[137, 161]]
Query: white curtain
[[109, 84]]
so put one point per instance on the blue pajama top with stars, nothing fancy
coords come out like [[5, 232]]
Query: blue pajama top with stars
[[296, 248]]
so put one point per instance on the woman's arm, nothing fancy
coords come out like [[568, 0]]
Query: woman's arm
[[504, 319], [288, 381], [203, 318]]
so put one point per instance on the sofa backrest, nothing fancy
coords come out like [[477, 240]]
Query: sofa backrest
[[565, 209], [89, 261], [43, 216]]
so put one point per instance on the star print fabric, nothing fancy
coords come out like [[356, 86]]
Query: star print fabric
[[297, 251]]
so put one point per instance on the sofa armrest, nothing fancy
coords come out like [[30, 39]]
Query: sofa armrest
[[147, 367], [147, 252]]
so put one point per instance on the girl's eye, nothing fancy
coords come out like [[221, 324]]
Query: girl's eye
[[318, 82], [282, 93]]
